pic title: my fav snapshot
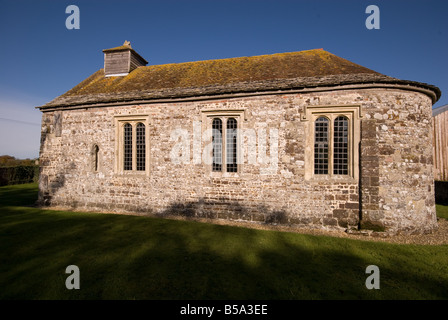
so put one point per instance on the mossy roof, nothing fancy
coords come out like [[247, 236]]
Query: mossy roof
[[119, 48], [311, 68]]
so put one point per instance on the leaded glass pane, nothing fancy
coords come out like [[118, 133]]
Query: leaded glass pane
[[217, 144], [141, 147], [127, 161], [340, 151], [321, 146], [231, 146]]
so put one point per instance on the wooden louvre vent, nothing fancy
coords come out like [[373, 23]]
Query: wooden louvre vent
[[120, 61]]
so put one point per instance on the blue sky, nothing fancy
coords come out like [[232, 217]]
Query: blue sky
[[41, 59]]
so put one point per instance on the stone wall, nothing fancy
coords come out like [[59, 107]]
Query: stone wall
[[395, 182]]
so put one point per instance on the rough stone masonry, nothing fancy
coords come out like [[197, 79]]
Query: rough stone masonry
[[388, 186]]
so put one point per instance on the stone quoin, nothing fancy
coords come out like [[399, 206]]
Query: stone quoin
[[301, 138]]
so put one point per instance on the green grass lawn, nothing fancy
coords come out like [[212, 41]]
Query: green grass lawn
[[134, 257], [442, 211]]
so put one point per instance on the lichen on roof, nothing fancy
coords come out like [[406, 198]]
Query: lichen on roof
[[243, 74], [125, 46], [218, 72]]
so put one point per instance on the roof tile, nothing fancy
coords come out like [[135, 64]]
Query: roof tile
[[244, 74]]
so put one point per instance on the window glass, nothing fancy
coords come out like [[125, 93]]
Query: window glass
[[217, 144], [127, 161], [141, 147], [321, 146], [340, 151], [231, 145]]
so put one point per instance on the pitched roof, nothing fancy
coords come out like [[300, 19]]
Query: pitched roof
[[283, 71]]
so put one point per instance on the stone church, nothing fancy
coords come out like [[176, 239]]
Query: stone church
[[304, 139]]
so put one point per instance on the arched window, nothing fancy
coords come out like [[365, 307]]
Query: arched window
[[231, 145], [321, 146], [217, 144], [226, 154], [335, 132], [141, 147], [340, 148], [127, 160], [96, 150], [132, 148]]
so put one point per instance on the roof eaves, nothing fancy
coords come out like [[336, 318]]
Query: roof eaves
[[248, 87]]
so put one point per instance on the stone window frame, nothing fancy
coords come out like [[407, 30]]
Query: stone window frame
[[119, 123], [240, 115], [354, 115]]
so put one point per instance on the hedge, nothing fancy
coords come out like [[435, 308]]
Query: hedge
[[18, 175]]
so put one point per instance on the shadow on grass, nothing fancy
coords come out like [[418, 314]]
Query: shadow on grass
[[19, 195], [128, 257], [131, 257]]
